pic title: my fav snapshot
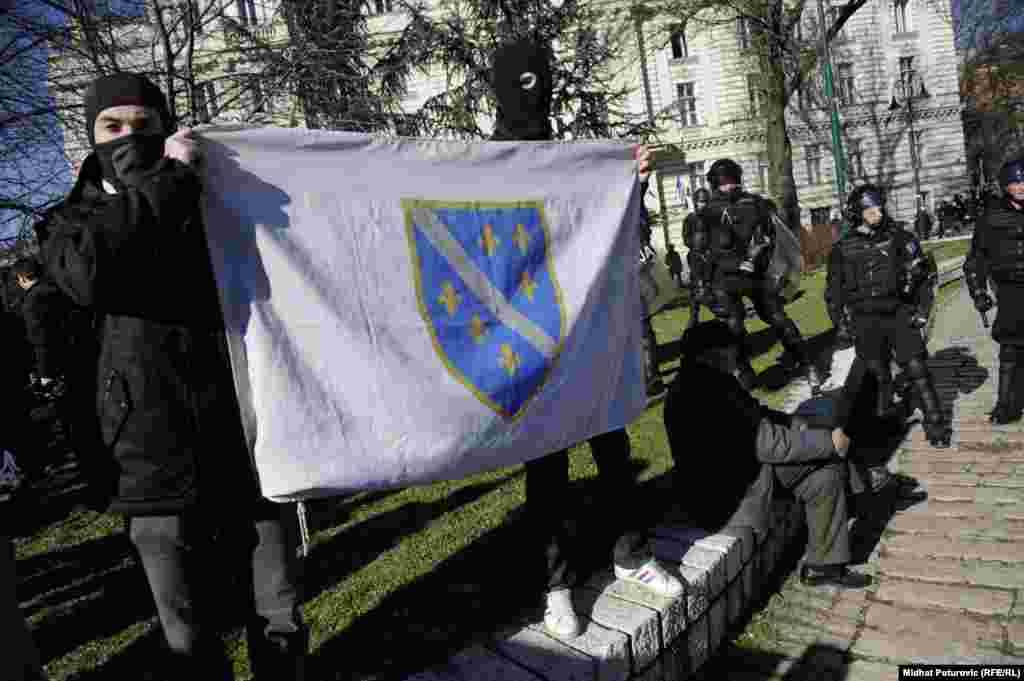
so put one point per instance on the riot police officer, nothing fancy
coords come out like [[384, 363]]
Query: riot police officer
[[732, 246], [997, 253], [699, 291], [878, 293]]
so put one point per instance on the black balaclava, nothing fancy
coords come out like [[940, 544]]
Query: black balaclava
[[522, 85], [136, 152]]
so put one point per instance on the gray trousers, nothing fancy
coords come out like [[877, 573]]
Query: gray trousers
[[175, 552], [822, 489], [19, 660]]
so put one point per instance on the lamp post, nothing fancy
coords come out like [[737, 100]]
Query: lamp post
[[905, 85], [837, 140]]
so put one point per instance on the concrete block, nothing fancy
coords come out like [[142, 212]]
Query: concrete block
[[712, 561], [546, 656], [672, 613], [479, 664], [698, 591], [609, 649], [637, 622], [729, 547], [717, 620]]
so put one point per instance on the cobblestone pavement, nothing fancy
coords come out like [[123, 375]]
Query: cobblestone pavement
[[949, 570]]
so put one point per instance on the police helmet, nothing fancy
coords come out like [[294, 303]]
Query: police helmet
[[860, 199], [724, 168], [1012, 171], [701, 195]]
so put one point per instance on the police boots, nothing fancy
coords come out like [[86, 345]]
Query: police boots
[[1007, 409], [936, 429]]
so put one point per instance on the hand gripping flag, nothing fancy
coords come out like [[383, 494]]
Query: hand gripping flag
[[403, 311]]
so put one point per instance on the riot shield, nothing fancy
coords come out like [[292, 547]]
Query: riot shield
[[787, 261]]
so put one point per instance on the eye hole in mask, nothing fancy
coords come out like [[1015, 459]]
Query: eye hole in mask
[[528, 80]]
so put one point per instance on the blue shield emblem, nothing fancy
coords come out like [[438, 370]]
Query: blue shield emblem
[[487, 291]]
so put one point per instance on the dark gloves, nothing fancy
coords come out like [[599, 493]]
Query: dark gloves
[[983, 301]]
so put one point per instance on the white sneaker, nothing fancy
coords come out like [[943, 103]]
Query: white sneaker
[[559, 617], [10, 474], [651, 576]]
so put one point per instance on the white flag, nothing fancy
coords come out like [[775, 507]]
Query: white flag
[[403, 311]]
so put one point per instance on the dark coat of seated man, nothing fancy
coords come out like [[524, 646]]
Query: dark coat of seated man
[[749, 450]]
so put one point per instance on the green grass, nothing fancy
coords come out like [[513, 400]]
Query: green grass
[[399, 578]]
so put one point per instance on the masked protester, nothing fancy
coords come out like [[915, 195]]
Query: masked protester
[[522, 87], [874, 295], [733, 244], [997, 255], [700, 268], [128, 244]]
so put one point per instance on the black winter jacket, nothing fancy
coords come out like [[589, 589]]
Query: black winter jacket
[[166, 401], [997, 247], [47, 314]]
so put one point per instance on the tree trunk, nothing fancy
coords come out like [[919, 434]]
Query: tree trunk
[[779, 148]]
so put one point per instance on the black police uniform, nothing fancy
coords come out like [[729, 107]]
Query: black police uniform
[[997, 254], [732, 245], [874, 294], [699, 289]]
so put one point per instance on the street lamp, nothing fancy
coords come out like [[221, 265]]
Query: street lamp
[[909, 97]]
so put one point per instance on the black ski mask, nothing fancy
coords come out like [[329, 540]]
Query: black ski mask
[[522, 85], [125, 158]]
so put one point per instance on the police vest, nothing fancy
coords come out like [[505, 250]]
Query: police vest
[[1004, 240], [873, 268], [731, 221]]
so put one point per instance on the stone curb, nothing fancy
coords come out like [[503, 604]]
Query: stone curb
[[631, 634]]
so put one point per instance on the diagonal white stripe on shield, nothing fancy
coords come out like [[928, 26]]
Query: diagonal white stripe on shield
[[477, 282]]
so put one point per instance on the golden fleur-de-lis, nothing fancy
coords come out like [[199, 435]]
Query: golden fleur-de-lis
[[449, 298], [528, 285], [478, 329], [489, 242], [522, 238], [509, 359]]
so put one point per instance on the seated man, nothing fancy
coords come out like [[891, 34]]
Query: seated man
[[754, 448]]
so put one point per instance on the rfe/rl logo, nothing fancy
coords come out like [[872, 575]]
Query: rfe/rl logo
[[487, 291]]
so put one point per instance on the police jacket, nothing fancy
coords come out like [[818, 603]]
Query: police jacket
[[727, 227], [165, 396], [874, 271], [997, 247], [738, 486]]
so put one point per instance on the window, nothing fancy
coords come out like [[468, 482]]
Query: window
[[697, 178], [377, 7], [762, 175], [247, 12], [754, 92], [678, 40], [845, 89], [820, 216], [901, 15], [906, 84], [803, 95], [923, 201], [743, 33], [205, 105], [854, 158], [687, 105], [813, 158], [257, 101]]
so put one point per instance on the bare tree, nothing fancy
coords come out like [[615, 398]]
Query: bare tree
[[587, 100]]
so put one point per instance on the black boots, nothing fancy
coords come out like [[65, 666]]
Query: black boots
[[1007, 409], [936, 429], [833, 575]]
